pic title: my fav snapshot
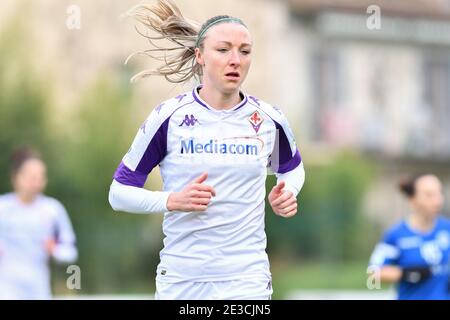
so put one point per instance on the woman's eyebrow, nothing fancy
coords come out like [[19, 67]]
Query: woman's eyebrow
[[230, 44]]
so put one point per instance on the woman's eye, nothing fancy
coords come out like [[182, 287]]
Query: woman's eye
[[246, 52], [222, 50]]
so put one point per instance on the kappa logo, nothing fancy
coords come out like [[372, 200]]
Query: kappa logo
[[189, 120], [158, 108], [180, 97], [143, 126], [255, 120], [255, 100]]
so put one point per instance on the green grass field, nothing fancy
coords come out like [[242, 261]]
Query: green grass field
[[313, 275]]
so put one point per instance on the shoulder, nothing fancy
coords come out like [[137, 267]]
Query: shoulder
[[55, 206], [161, 114], [165, 109], [6, 198], [444, 222], [274, 113], [394, 232]]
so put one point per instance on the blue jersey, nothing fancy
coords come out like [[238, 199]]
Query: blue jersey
[[404, 247]]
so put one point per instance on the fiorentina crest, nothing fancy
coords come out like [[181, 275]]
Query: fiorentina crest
[[256, 120]]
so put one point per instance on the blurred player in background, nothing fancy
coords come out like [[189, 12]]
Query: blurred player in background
[[213, 146], [33, 228], [414, 254]]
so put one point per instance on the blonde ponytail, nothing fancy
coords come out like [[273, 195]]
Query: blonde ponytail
[[166, 20]]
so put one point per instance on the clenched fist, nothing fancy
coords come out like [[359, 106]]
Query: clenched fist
[[194, 197], [283, 202]]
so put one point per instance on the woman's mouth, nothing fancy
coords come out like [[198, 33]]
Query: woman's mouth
[[232, 76]]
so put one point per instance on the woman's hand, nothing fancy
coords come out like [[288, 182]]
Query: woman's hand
[[50, 246], [194, 197], [283, 203]]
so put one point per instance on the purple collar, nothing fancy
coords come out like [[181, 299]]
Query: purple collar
[[204, 104]]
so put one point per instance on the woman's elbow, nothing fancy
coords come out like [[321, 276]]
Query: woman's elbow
[[113, 202]]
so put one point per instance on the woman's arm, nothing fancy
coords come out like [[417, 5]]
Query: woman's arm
[[385, 261], [293, 179], [63, 246], [390, 274], [413, 275], [194, 197], [283, 197], [136, 200]]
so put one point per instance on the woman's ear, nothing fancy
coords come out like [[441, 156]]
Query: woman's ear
[[199, 57]]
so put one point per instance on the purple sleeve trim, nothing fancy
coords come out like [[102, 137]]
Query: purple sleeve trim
[[153, 155], [130, 178], [291, 164], [287, 162], [156, 149], [202, 103]]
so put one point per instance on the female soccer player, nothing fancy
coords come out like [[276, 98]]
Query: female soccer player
[[213, 145], [415, 253], [33, 227]]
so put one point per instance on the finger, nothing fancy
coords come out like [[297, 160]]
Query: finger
[[204, 187], [284, 196], [199, 207], [203, 201], [288, 209], [200, 194], [201, 178], [288, 202], [279, 186], [289, 214], [273, 194]]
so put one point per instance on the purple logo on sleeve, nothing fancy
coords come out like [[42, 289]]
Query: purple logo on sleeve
[[143, 126], [189, 120], [180, 97], [255, 100], [158, 108], [277, 110]]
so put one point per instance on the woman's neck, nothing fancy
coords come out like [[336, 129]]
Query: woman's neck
[[421, 222], [218, 100], [26, 199]]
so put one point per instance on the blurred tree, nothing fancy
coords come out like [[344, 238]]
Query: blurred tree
[[111, 247], [330, 224], [23, 99], [81, 156]]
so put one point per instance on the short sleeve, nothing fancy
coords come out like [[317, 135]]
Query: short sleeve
[[147, 151], [64, 236], [285, 155], [386, 252]]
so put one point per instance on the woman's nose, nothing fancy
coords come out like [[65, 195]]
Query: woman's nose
[[235, 59]]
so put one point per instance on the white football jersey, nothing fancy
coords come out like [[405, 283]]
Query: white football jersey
[[186, 137], [24, 230]]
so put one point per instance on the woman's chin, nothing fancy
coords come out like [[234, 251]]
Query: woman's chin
[[231, 86]]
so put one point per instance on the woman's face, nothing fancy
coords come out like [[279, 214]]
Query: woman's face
[[225, 57], [428, 197], [31, 178]]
